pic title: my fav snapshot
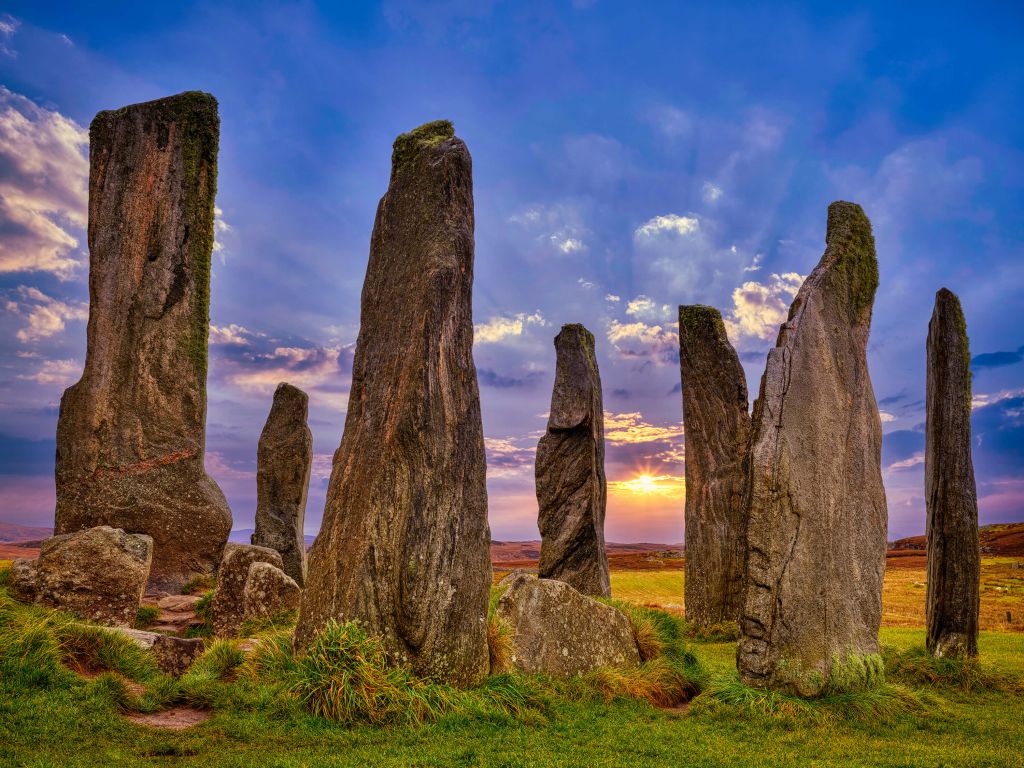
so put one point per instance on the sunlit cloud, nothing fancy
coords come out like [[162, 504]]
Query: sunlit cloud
[[498, 329], [886, 417], [669, 486], [982, 400], [711, 192], [639, 339], [759, 309], [629, 428], [43, 190], [232, 334], [907, 463], [612, 298], [669, 224], [44, 315], [510, 456], [62, 372]]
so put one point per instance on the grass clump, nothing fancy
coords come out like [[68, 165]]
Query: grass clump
[[916, 666], [146, 616], [721, 632], [198, 583]]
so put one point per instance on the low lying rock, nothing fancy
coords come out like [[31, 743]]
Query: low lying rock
[[268, 591], [98, 574], [227, 609], [558, 631], [174, 655]]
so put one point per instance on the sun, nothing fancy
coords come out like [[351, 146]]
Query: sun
[[646, 484]]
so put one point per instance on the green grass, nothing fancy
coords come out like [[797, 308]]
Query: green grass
[[50, 716]]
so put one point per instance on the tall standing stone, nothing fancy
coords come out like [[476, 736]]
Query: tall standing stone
[[571, 488], [283, 462], [404, 546], [954, 550], [817, 518], [131, 434], [717, 428]]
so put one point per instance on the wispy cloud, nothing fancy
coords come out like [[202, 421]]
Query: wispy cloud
[[498, 329], [45, 316], [631, 428], [670, 224], [640, 339]]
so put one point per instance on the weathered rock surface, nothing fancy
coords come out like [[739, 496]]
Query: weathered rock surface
[[268, 591], [283, 463], [717, 429], [404, 545], [227, 608], [954, 548], [571, 487], [174, 655], [131, 434], [817, 519], [559, 631], [98, 574]]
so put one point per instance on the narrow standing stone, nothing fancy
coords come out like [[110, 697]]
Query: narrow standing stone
[[283, 463], [816, 527], [954, 549], [571, 487], [404, 546], [717, 428], [131, 435]]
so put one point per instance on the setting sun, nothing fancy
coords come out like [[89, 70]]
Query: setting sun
[[646, 484]]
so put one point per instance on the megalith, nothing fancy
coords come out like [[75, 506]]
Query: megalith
[[716, 425], [283, 462], [227, 607], [131, 432], [571, 488], [405, 544], [954, 550], [816, 510]]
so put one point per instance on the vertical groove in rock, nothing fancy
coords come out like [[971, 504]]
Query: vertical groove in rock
[[571, 487], [817, 518], [131, 433], [404, 546], [954, 550], [283, 462], [717, 429]]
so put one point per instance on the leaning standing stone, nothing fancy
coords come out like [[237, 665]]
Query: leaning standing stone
[[404, 546], [98, 574], [717, 427], [283, 463], [817, 515], [954, 550], [227, 608], [571, 488], [131, 434]]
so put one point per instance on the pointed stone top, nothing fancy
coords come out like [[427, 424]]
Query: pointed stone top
[[291, 399], [702, 320], [408, 145], [850, 254], [576, 329], [194, 104], [950, 315]]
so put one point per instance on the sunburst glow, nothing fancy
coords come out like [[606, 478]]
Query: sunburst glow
[[645, 484]]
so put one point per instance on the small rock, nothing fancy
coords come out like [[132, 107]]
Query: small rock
[[558, 631], [98, 574], [226, 608], [268, 591]]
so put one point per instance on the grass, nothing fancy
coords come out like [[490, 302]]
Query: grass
[[50, 715], [147, 616]]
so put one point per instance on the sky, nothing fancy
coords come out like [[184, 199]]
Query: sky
[[628, 158]]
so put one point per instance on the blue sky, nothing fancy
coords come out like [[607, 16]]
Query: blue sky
[[628, 157]]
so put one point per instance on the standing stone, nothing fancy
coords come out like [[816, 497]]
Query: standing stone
[[283, 463], [717, 428], [571, 488], [954, 549], [269, 591], [405, 545], [98, 574], [817, 519], [227, 607], [131, 434]]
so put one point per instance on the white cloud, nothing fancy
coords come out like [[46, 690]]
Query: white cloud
[[567, 244], [612, 298], [507, 459], [232, 334], [220, 228], [912, 461], [755, 265], [646, 308], [585, 284], [44, 189], [8, 26], [980, 400], [639, 339], [759, 309], [44, 314], [886, 417], [557, 228], [498, 329], [61, 372], [711, 192], [671, 122], [671, 224]]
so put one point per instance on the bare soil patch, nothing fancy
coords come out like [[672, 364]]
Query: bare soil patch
[[174, 719]]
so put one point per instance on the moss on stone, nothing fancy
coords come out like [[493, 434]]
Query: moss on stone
[[408, 145], [961, 326], [856, 269]]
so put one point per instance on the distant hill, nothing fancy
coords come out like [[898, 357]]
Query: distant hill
[[11, 532], [1006, 539]]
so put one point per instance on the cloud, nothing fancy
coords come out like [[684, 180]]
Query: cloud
[[232, 334], [62, 372], [313, 368], [759, 309], [490, 378], [710, 192], [557, 228], [44, 314], [505, 458], [997, 359], [982, 400], [586, 284], [44, 173], [611, 297], [886, 417], [645, 308], [670, 224], [220, 229], [671, 122], [908, 463], [8, 26], [639, 339], [568, 244], [498, 329], [670, 486], [631, 428]]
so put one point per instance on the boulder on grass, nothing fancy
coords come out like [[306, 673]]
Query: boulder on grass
[[558, 631], [98, 574], [269, 591], [226, 608], [174, 655]]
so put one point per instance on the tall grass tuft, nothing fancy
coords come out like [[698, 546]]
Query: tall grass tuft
[[499, 645], [918, 667]]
